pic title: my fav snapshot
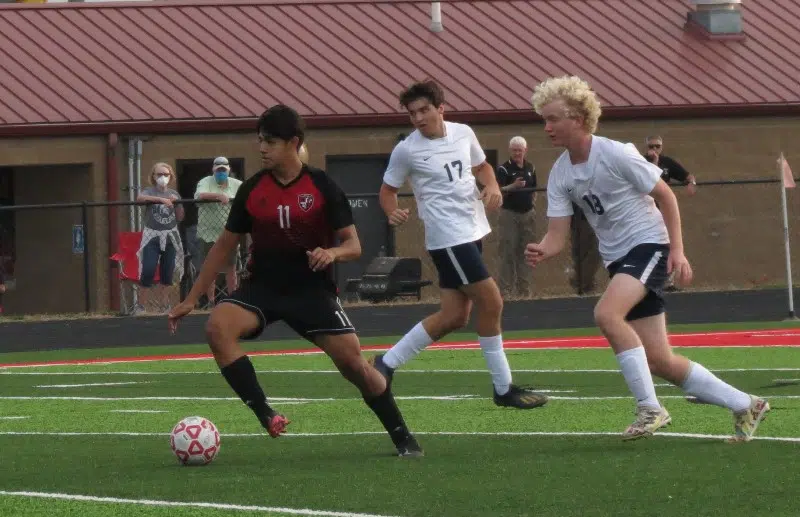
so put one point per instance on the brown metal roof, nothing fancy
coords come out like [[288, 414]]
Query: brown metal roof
[[199, 66]]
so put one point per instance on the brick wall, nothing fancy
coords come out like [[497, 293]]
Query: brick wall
[[733, 234]]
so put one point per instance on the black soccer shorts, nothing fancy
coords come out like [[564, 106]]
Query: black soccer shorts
[[309, 312], [648, 264]]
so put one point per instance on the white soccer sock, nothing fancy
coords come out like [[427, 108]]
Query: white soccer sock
[[492, 348], [408, 347], [633, 364], [709, 388]]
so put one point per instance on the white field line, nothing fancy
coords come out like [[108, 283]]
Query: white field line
[[185, 504], [401, 371], [88, 385], [794, 439], [786, 380], [138, 411], [283, 400], [278, 400], [13, 417]]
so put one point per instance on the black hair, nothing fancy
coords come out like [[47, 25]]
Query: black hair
[[423, 90], [281, 121]]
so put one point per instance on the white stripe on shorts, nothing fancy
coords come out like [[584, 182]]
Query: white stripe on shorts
[[650, 266], [456, 265]]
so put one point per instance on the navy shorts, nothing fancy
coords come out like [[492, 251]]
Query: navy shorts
[[460, 265], [309, 312], [648, 264]]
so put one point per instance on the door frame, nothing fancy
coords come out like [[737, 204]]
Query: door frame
[[391, 244], [181, 162]]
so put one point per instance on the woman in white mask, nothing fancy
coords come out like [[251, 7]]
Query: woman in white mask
[[161, 241]]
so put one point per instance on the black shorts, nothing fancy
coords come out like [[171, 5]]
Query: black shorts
[[460, 265], [648, 264], [309, 312]]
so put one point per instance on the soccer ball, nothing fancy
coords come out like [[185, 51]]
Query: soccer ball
[[195, 441]]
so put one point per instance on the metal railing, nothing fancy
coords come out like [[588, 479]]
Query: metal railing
[[733, 234]]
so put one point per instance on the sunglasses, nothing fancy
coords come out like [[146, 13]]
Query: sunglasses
[[654, 146]]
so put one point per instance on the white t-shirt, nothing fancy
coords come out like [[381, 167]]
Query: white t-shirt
[[612, 188], [440, 171]]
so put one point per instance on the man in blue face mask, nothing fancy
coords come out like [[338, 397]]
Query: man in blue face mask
[[219, 189]]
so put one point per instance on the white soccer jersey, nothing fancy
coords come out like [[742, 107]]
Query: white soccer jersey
[[440, 171], [612, 189]]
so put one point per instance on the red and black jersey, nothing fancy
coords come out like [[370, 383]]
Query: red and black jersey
[[286, 221]]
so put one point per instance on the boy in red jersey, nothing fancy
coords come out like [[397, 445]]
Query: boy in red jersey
[[295, 215]]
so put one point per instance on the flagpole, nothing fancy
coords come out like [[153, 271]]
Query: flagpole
[[790, 286]]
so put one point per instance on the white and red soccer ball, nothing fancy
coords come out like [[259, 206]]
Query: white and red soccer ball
[[195, 441]]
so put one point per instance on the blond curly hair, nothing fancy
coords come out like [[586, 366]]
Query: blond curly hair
[[580, 99]]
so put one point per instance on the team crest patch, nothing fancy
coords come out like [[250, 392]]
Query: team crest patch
[[306, 201]]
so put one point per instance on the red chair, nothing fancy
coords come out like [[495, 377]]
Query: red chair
[[128, 265]]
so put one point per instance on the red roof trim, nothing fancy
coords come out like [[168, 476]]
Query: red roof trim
[[390, 120]]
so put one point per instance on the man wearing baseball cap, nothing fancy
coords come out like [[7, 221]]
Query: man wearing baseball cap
[[219, 189]]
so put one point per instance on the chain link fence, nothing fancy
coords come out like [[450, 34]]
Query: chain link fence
[[102, 258]]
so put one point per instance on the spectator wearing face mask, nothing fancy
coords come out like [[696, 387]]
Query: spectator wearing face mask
[[211, 217], [161, 242]]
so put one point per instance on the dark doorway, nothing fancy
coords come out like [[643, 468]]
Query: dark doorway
[[7, 224], [362, 174], [491, 157]]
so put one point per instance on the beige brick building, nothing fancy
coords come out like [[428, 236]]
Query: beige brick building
[[68, 142]]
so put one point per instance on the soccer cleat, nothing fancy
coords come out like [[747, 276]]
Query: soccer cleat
[[378, 364], [520, 398], [410, 448], [277, 425], [648, 421], [746, 422]]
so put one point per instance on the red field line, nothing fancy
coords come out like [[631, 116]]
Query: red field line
[[749, 338]]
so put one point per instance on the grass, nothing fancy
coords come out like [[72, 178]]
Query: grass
[[565, 459]]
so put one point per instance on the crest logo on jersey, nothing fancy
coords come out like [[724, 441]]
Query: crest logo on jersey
[[306, 201]]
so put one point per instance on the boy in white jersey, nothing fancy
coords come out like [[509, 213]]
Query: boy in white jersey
[[616, 187], [442, 160]]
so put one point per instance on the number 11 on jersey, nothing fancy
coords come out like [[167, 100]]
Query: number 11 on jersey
[[283, 216]]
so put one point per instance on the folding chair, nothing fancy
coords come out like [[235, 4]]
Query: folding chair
[[128, 267]]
